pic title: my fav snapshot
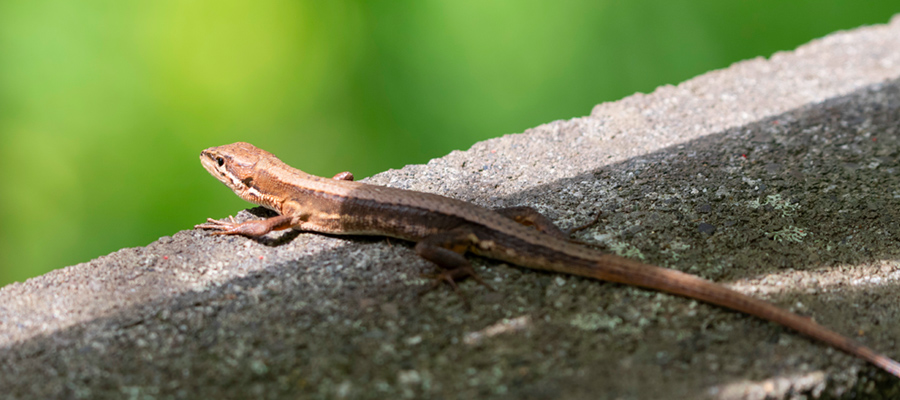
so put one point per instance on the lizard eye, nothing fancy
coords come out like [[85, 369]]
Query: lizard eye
[[220, 161]]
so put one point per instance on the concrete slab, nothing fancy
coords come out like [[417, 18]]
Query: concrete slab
[[777, 177]]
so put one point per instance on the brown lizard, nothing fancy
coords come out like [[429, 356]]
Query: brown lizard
[[444, 229]]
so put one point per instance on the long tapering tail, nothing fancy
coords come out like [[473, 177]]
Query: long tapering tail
[[622, 270]]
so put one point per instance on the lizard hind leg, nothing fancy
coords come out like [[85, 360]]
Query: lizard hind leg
[[528, 216]]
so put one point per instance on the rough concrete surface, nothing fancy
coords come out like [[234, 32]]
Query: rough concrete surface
[[777, 177]]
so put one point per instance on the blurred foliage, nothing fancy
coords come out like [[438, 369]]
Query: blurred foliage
[[105, 104]]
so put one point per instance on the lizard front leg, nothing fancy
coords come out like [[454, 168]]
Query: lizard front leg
[[255, 228], [343, 176]]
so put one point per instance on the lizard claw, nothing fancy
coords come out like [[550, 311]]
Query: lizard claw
[[468, 272], [221, 227], [450, 276], [593, 222], [444, 277]]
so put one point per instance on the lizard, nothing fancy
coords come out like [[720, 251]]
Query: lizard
[[445, 229]]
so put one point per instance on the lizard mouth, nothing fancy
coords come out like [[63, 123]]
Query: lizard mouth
[[217, 167], [208, 160]]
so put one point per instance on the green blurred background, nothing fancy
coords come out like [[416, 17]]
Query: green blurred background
[[105, 105]]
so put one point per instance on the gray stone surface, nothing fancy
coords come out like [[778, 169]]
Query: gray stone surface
[[775, 177]]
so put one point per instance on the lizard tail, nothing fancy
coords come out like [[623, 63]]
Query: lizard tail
[[613, 268]]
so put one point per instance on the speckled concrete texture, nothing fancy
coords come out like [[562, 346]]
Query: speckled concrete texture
[[777, 177]]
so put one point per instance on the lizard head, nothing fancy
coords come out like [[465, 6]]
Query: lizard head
[[234, 164]]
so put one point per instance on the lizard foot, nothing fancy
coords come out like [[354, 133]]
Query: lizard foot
[[253, 228], [221, 227], [450, 277], [593, 222]]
